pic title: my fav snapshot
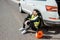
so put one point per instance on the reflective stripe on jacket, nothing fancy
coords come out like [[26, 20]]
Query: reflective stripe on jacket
[[36, 23], [34, 19]]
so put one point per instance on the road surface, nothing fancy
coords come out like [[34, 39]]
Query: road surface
[[11, 20]]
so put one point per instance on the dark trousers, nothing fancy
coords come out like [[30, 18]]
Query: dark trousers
[[31, 25]]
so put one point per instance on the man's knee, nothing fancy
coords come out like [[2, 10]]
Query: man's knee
[[26, 23]]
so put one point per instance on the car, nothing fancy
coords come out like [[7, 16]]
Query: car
[[47, 8]]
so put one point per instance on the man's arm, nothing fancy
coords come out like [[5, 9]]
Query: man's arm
[[36, 20], [28, 17]]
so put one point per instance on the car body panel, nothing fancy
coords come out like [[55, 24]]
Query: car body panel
[[29, 6]]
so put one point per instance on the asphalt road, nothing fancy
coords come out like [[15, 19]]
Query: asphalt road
[[11, 20]]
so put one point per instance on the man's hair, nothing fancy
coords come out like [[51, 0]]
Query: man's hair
[[38, 12]]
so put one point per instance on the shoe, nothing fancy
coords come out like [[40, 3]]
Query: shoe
[[24, 31], [21, 29]]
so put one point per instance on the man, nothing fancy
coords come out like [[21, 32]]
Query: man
[[33, 21]]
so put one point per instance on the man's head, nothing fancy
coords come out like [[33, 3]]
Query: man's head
[[35, 12]]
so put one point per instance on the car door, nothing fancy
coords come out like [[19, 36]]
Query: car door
[[28, 5], [34, 4], [25, 5]]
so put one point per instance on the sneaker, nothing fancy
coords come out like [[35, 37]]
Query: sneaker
[[24, 31], [21, 29]]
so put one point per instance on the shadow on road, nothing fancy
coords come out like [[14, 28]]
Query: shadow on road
[[47, 37], [56, 30], [44, 37]]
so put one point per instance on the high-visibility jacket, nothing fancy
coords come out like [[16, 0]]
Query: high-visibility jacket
[[34, 19]]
